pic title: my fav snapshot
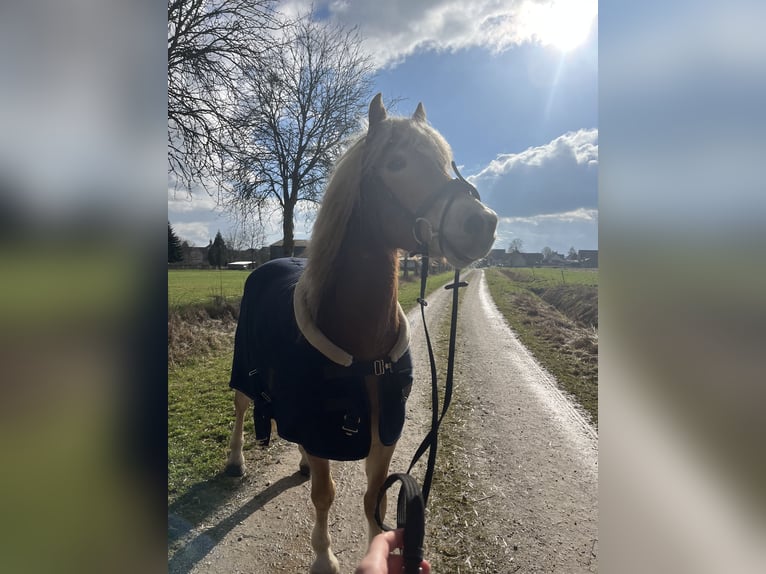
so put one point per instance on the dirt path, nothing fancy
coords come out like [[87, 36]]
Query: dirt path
[[533, 457], [529, 450]]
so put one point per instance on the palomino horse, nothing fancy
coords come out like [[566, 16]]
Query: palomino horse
[[324, 351]]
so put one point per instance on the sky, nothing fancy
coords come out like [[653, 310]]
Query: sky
[[513, 87]]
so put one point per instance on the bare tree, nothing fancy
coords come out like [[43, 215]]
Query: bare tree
[[210, 44], [304, 101], [516, 245], [247, 234]]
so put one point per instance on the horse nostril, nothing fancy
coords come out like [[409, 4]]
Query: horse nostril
[[474, 224]]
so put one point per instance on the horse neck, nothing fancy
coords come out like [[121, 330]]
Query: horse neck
[[359, 312]]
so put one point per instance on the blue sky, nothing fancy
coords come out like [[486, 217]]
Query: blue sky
[[513, 86]]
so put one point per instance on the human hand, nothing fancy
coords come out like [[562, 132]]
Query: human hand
[[379, 559]]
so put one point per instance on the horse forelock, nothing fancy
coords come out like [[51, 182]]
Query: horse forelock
[[343, 191], [406, 134]]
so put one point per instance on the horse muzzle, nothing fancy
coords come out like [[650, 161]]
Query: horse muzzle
[[467, 231], [466, 227]]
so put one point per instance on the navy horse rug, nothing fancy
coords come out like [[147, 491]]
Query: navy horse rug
[[313, 389]]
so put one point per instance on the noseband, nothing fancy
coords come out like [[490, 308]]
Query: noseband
[[453, 189]]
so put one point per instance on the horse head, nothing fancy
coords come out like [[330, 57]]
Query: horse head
[[407, 187]]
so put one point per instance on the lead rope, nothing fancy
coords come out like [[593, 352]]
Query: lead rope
[[412, 501]]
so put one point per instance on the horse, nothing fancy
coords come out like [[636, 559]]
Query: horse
[[322, 344]]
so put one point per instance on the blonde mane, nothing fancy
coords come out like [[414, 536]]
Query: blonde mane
[[343, 192]]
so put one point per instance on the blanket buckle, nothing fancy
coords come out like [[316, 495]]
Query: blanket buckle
[[350, 426], [380, 367]]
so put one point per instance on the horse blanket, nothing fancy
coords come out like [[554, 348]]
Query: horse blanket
[[314, 390]]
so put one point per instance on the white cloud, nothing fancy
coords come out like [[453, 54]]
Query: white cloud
[[582, 145], [546, 195], [195, 218], [578, 215], [559, 231], [395, 29], [182, 202], [558, 177], [195, 232]]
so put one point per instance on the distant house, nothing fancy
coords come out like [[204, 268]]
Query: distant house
[[410, 263], [588, 257], [299, 246], [497, 257], [502, 258], [517, 259], [533, 259], [192, 257], [555, 259]]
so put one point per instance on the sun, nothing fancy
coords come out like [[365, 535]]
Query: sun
[[563, 24]]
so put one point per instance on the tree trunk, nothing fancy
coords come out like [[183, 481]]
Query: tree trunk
[[288, 242]]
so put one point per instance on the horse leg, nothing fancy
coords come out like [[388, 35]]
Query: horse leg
[[303, 465], [235, 464], [322, 495], [376, 467]]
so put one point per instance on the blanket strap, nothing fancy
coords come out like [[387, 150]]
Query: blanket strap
[[378, 367]]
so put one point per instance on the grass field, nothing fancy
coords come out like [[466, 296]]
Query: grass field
[[201, 286], [200, 403], [189, 286], [547, 276]]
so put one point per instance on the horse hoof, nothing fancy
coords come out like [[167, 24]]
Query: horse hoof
[[234, 470], [304, 469], [326, 564]]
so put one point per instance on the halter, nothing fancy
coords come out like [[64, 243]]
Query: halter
[[453, 189]]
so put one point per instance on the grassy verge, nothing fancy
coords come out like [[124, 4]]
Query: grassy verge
[[409, 291], [568, 351], [200, 415]]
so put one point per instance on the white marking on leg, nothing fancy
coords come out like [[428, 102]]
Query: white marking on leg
[[322, 495], [235, 464], [376, 466]]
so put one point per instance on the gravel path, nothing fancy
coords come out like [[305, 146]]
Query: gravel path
[[533, 453], [530, 451]]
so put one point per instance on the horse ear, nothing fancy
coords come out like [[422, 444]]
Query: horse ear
[[420, 113], [377, 111]]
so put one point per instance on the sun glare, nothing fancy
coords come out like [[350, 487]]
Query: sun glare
[[563, 24]]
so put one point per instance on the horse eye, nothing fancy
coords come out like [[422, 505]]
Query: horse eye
[[396, 163]]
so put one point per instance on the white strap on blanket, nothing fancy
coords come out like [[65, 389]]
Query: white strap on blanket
[[321, 343]]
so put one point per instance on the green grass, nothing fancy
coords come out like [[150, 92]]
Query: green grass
[[549, 276], [574, 363], [200, 415], [189, 286], [409, 291]]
